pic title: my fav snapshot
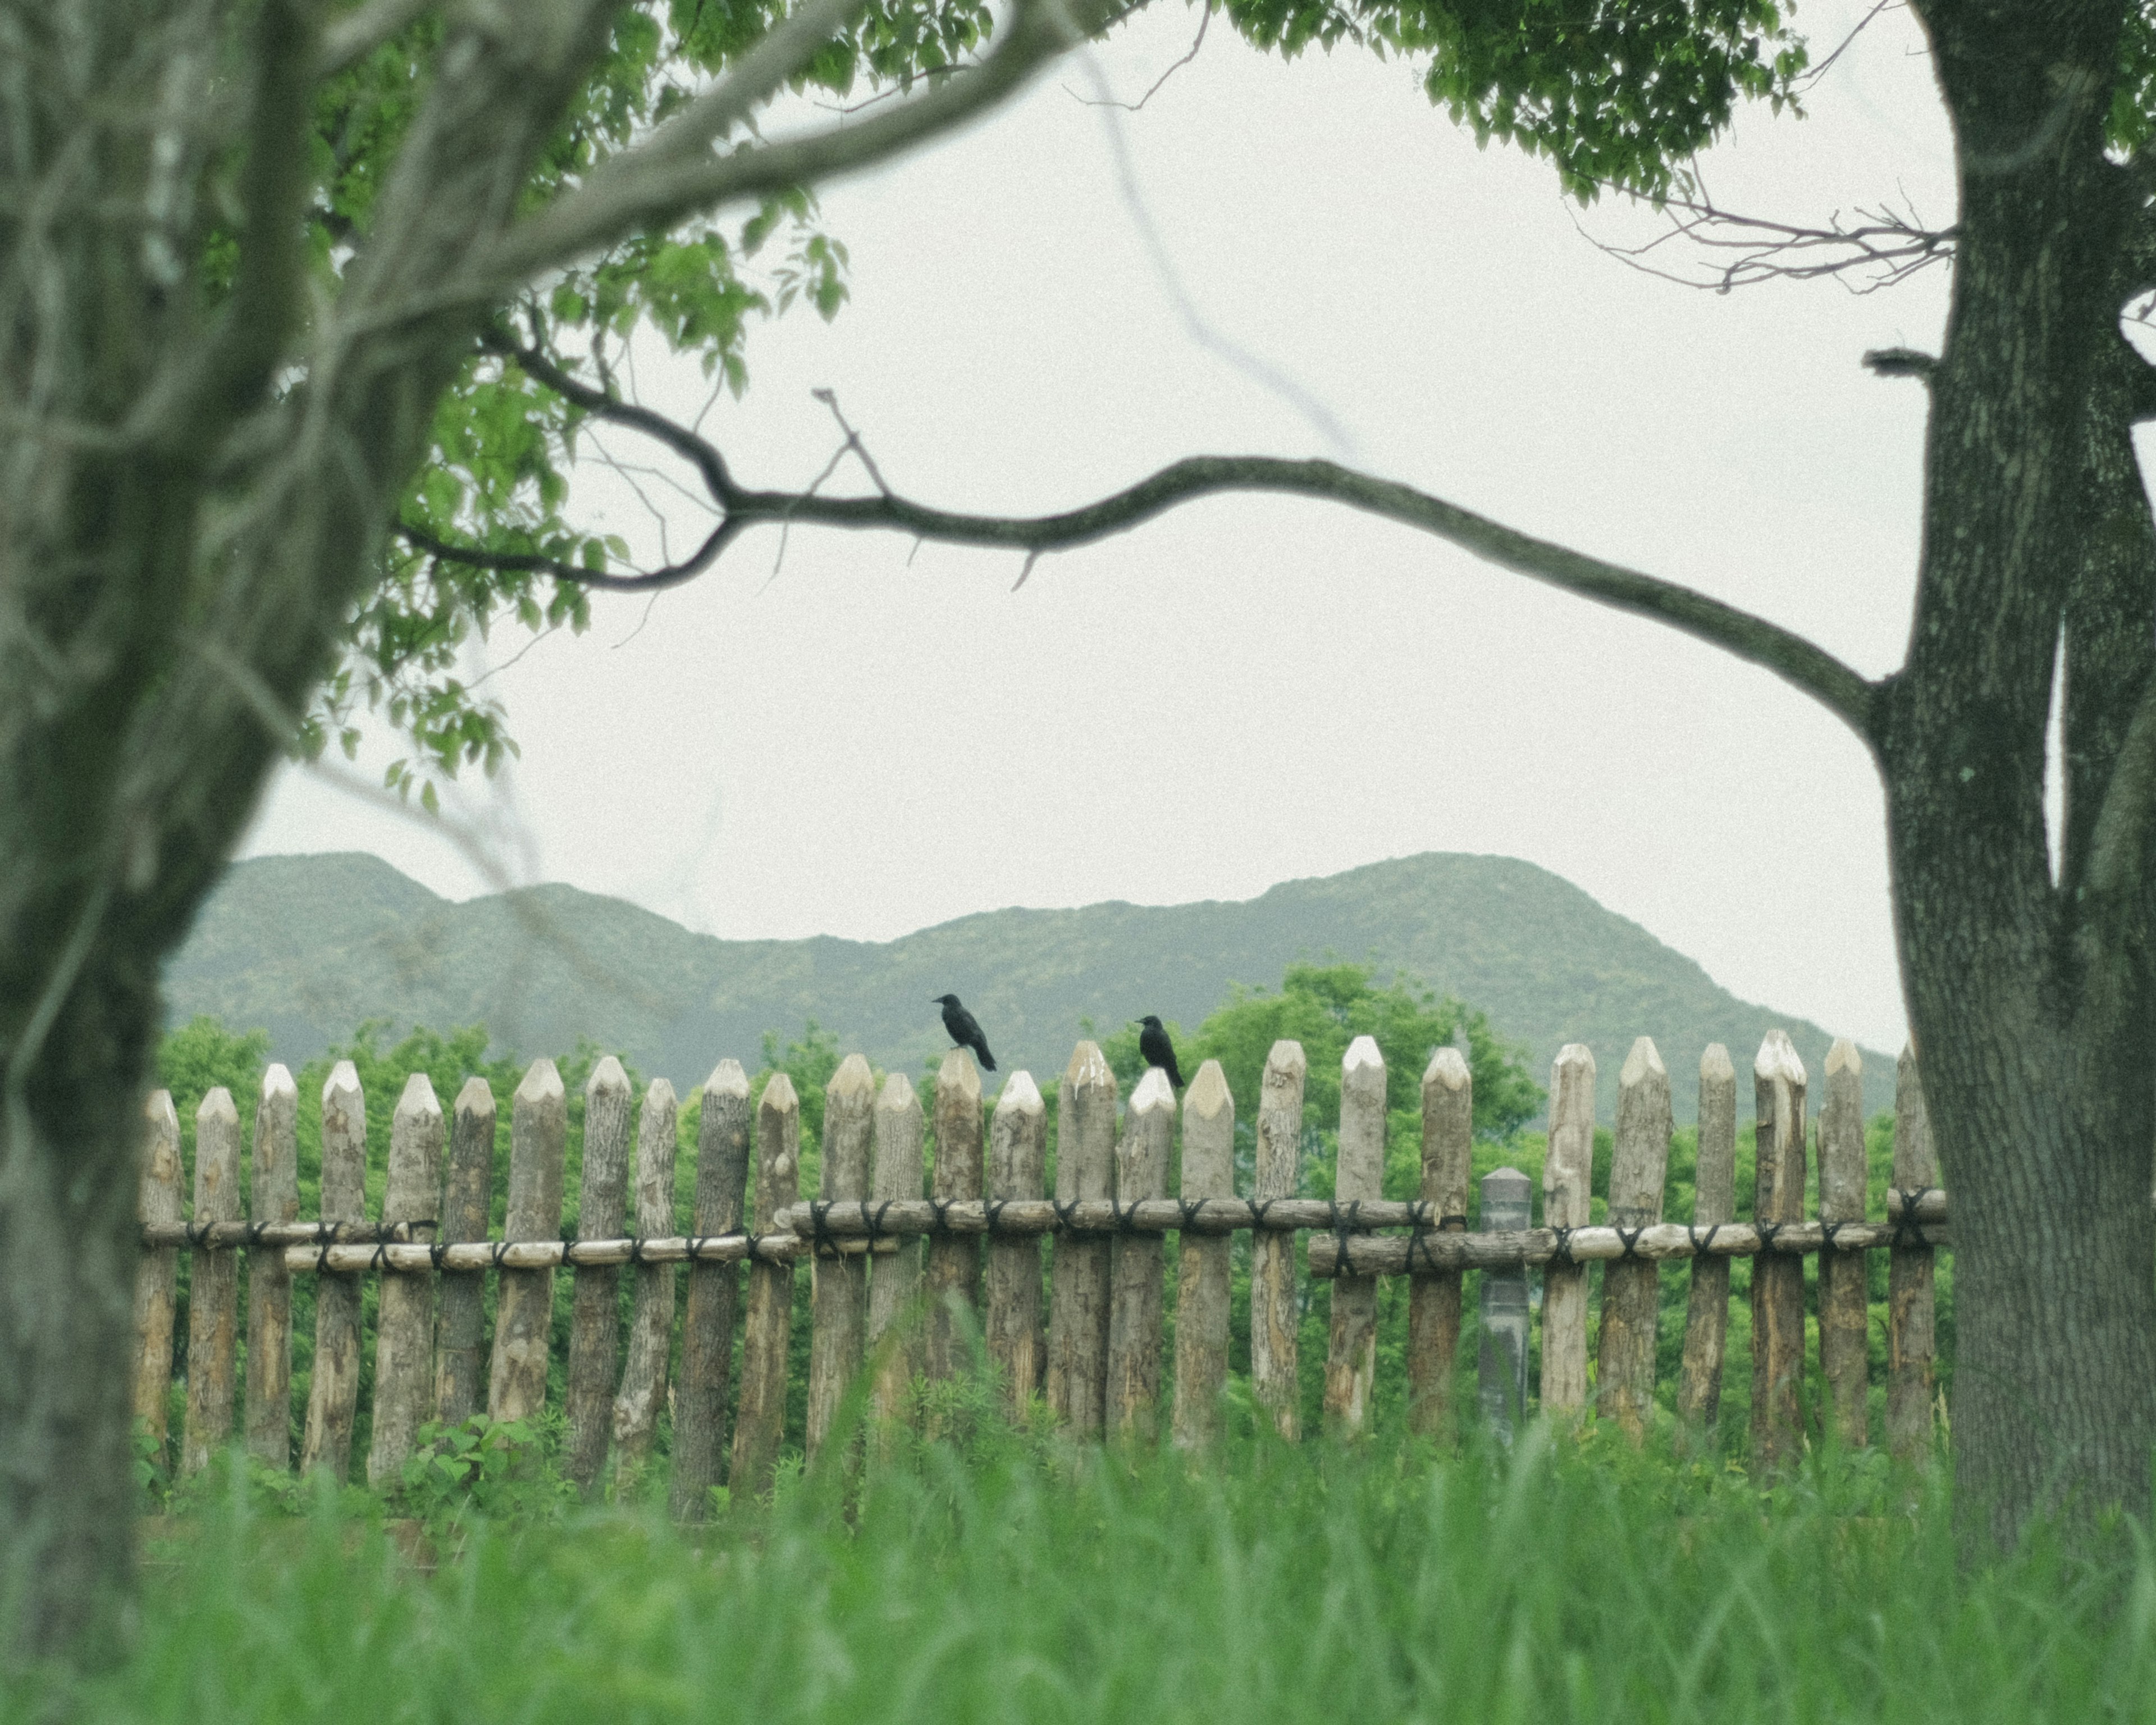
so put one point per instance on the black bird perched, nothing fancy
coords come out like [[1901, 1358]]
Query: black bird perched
[[964, 1029], [1157, 1050]]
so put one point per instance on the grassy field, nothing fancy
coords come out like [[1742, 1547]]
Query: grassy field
[[1571, 1581]]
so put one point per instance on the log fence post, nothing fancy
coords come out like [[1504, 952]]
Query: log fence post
[[1448, 1168], [767, 1334], [524, 1299], [273, 1197], [404, 1324], [595, 1314], [157, 1275], [1351, 1356], [894, 1338], [1138, 1265], [1631, 1287], [333, 1387], [1018, 1160], [1568, 1180], [213, 1287], [1714, 1204], [1844, 1309], [714, 1301], [840, 1279], [1275, 1315], [1501, 1364], [642, 1390], [1202, 1272], [1911, 1315], [1078, 1265], [954, 1259], [460, 1303], [1778, 1278]]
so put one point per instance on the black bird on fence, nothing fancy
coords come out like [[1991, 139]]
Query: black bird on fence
[[1157, 1050], [964, 1029]]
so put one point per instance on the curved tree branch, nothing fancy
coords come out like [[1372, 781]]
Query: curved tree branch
[[1788, 655]]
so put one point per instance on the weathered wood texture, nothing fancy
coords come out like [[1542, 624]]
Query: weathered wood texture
[[1351, 1354], [213, 1287], [1911, 1338], [1078, 1266], [1396, 1254], [273, 1197], [1139, 1269], [767, 1333], [895, 1278], [1502, 1364], [1448, 1156], [1631, 1287], [1275, 1314], [1714, 1202], [1568, 1176], [157, 1275], [1018, 1163], [333, 1388], [1201, 1276], [642, 1390], [524, 1299], [714, 1301], [404, 1322], [839, 1302], [1843, 1276], [595, 1300], [1777, 1282], [953, 1277], [460, 1303]]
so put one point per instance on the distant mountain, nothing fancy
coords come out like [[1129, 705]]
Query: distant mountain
[[308, 947]]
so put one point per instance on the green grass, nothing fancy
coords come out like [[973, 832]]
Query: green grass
[[1572, 1582]]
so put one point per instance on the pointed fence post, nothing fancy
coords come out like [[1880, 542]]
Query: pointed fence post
[[1351, 1359], [1910, 1316], [1631, 1287], [768, 1332], [275, 1198], [1714, 1203], [1078, 1266], [1568, 1180], [1501, 1366], [840, 1298], [1275, 1315], [595, 1315], [651, 1315], [1138, 1267], [1778, 1278], [1448, 1166], [460, 1306], [212, 1285], [707, 1326], [1201, 1276], [524, 1299], [1845, 1314], [894, 1277], [954, 1259], [333, 1387], [157, 1275], [404, 1327], [1018, 1162]]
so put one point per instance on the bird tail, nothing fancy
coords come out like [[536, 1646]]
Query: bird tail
[[988, 1059]]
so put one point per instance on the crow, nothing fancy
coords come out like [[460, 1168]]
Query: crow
[[1157, 1050], [964, 1030]]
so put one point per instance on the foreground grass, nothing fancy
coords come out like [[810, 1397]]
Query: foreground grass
[[1269, 1584]]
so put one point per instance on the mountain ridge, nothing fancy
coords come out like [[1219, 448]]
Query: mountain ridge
[[309, 946]]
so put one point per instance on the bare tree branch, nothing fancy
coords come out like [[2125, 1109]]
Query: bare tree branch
[[1881, 248], [1197, 42], [1797, 661]]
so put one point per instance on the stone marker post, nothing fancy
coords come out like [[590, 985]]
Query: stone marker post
[[1501, 1367]]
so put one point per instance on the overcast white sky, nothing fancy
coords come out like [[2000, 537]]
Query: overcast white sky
[[1252, 691]]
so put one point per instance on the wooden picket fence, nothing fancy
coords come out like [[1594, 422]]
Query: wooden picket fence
[[1089, 1336]]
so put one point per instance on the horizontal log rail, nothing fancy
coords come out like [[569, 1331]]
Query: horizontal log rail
[[216, 1235], [552, 1254], [1396, 1254]]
